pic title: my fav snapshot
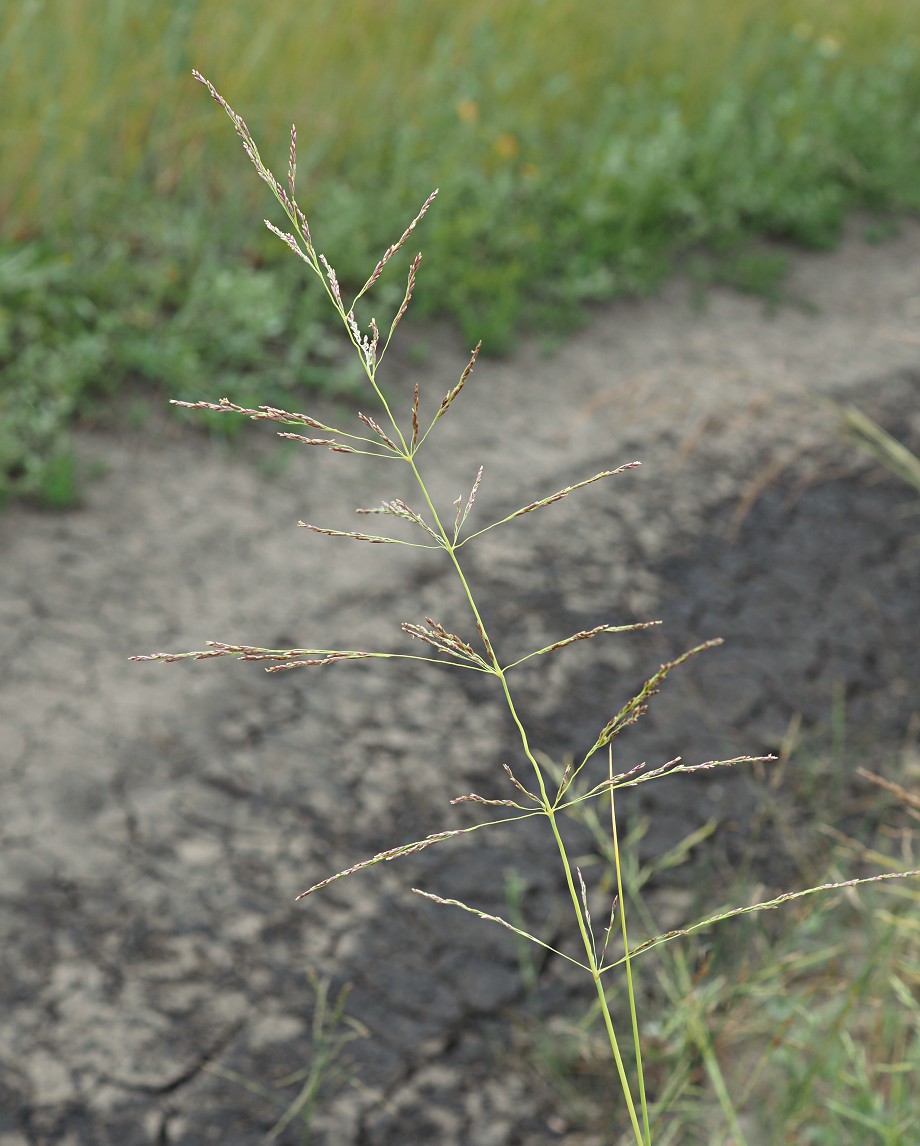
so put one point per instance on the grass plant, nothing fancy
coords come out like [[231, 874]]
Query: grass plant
[[589, 786], [801, 1028], [583, 152], [327, 1071], [881, 445]]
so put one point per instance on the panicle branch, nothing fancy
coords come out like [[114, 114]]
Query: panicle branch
[[634, 708], [375, 428], [366, 345], [634, 776], [497, 919], [290, 240], [585, 635], [675, 766], [318, 662], [460, 519], [553, 497], [407, 850], [472, 798], [439, 638], [407, 297], [292, 163], [763, 905], [280, 658], [369, 537], [584, 904], [334, 289], [515, 783], [261, 414], [397, 508], [391, 251], [452, 394], [286, 200], [330, 443]]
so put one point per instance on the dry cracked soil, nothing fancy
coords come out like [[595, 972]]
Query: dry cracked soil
[[158, 979]]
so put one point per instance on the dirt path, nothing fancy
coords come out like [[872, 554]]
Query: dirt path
[[156, 821]]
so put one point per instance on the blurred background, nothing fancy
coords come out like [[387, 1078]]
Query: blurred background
[[582, 151]]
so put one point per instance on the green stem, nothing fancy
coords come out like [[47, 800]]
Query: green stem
[[630, 989], [551, 816]]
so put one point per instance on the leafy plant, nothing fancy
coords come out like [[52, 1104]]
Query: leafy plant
[[536, 792]]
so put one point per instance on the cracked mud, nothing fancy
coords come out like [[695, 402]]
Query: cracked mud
[[157, 821]]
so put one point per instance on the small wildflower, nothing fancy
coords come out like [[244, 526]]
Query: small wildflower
[[467, 111], [507, 145], [829, 46]]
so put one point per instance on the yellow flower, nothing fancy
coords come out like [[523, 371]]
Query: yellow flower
[[829, 46], [507, 145], [467, 111]]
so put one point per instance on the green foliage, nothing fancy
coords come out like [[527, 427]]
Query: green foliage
[[148, 311], [792, 1026], [581, 152], [327, 1070]]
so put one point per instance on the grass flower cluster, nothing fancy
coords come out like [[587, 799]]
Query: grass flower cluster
[[534, 792]]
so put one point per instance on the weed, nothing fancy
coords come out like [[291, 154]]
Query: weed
[[534, 791], [881, 445], [800, 1028], [331, 1032]]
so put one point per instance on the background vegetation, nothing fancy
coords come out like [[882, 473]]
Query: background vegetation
[[580, 149], [799, 1025]]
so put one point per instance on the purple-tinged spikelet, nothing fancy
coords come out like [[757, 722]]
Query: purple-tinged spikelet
[[391, 251], [451, 395]]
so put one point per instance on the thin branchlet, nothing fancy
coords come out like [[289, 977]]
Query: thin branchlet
[[470, 501], [448, 399], [519, 786], [289, 240], [584, 635], [282, 658], [407, 297], [553, 498], [292, 163], [391, 251], [260, 414], [472, 798], [375, 428], [434, 634], [637, 705], [398, 508], [334, 289]]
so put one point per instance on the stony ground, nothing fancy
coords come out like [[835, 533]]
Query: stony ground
[[157, 979]]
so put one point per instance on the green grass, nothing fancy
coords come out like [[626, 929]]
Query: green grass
[[799, 1025], [581, 150]]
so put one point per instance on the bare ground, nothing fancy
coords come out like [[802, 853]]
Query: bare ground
[[157, 821]]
